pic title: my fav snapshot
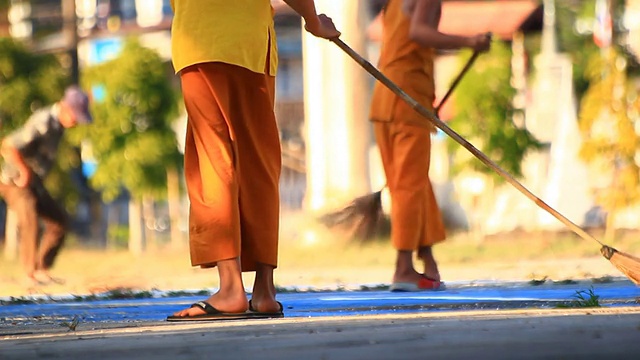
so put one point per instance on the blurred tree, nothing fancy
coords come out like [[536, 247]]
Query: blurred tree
[[576, 21], [609, 119], [28, 82], [132, 139], [484, 116]]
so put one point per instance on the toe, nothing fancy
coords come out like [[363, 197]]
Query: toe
[[189, 312]]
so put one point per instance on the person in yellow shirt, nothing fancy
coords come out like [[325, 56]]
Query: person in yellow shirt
[[225, 54], [409, 43]]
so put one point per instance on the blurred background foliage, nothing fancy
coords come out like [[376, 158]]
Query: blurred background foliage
[[484, 113], [609, 120], [132, 139], [133, 143]]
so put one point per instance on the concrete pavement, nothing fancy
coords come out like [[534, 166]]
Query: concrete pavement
[[466, 321], [505, 334]]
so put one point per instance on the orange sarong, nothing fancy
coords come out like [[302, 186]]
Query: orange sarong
[[232, 165], [405, 149], [404, 136]]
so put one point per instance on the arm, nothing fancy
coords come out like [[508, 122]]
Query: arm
[[12, 155], [425, 19], [318, 25], [14, 143]]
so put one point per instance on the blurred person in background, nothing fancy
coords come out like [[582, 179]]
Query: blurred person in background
[[225, 54], [410, 40], [28, 153]]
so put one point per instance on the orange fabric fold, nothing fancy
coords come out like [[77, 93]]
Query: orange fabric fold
[[232, 165]]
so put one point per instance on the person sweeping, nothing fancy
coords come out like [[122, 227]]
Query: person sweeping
[[410, 40], [28, 154], [225, 54]]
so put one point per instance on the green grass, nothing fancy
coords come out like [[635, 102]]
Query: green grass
[[583, 299]]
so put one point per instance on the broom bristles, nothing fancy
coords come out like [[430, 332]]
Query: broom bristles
[[629, 265], [361, 218]]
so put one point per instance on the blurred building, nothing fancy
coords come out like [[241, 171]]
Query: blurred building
[[101, 25]]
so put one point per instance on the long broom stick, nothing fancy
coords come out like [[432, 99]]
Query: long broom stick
[[363, 215], [456, 81], [627, 264]]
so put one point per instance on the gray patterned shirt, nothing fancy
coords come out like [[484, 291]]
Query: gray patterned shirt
[[37, 141]]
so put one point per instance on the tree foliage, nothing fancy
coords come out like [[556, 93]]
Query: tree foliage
[[132, 139], [610, 122], [575, 24], [484, 113], [609, 119], [28, 82]]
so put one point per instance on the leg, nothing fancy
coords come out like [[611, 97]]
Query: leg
[[232, 161], [415, 218], [23, 202], [396, 149], [259, 173], [425, 253], [55, 222], [263, 295], [210, 169], [211, 177], [258, 169], [433, 232], [405, 271]]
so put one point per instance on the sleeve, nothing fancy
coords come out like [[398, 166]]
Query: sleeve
[[34, 128]]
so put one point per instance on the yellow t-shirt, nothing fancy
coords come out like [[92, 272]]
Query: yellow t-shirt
[[238, 32]]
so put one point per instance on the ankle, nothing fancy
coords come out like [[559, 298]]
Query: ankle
[[425, 252], [263, 282]]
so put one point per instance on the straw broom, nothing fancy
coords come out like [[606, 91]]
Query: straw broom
[[627, 264], [362, 218]]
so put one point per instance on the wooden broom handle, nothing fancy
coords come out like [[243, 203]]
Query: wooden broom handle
[[459, 139], [456, 81]]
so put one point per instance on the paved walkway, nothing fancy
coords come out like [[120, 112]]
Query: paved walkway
[[462, 296], [496, 321]]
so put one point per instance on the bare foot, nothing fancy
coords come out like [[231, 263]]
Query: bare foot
[[44, 277], [410, 276], [31, 281], [266, 305], [234, 304]]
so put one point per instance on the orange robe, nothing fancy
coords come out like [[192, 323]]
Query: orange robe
[[225, 53], [404, 136], [232, 165]]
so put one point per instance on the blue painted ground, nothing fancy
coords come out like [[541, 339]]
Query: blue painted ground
[[334, 303]]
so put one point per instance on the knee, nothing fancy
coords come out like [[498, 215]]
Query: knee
[[58, 228]]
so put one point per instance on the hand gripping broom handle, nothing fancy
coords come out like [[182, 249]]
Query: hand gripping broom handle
[[459, 139]]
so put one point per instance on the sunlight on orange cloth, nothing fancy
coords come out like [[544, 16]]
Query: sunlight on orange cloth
[[232, 165], [415, 216], [404, 136]]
